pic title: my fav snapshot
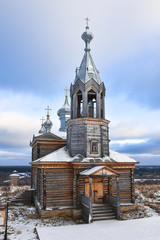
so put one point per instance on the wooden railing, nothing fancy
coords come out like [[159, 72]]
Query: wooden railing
[[86, 203], [114, 202]]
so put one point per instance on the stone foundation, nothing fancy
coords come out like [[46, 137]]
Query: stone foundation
[[67, 213]]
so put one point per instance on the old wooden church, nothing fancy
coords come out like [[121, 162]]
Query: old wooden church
[[80, 175]]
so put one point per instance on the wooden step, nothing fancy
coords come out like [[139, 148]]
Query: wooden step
[[100, 204], [103, 214], [101, 208], [104, 218], [102, 211]]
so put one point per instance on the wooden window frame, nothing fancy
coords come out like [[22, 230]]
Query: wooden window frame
[[94, 147]]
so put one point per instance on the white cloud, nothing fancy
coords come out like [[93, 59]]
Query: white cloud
[[128, 129], [147, 159], [129, 141], [15, 154], [130, 121], [20, 116], [121, 27]]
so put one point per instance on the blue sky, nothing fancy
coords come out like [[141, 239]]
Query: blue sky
[[40, 47]]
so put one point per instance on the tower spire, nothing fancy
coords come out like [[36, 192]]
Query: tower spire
[[87, 69]]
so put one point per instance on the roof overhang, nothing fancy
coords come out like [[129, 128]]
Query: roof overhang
[[99, 171]]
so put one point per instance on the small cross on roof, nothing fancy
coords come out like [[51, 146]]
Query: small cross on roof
[[42, 119], [48, 109], [67, 90], [87, 19]]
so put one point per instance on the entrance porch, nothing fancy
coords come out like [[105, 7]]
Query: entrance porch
[[99, 201]]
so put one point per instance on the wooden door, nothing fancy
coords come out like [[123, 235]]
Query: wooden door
[[97, 190]]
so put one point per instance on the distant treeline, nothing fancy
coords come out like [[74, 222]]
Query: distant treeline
[[147, 172], [19, 169], [140, 171]]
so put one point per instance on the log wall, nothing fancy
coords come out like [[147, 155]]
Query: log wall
[[125, 184], [59, 187]]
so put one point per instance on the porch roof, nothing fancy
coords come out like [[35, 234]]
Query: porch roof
[[99, 171]]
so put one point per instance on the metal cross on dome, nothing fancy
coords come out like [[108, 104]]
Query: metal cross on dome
[[87, 19], [48, 109], [67, 90], [42, 119]]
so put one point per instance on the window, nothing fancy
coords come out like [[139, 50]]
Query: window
[[94, 147], [91, 104], [79, 104]]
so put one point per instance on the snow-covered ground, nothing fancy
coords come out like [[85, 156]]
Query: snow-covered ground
[[23, 221], [139, 229], [146, 226]]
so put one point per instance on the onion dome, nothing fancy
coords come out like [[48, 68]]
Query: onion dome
[[87, 36], [48, 124], [65, 109], [64, 113], [42, 130]]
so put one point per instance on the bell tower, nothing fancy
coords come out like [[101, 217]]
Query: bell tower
[[87, 130]]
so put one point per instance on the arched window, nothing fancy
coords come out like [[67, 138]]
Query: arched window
[[79, 104], [91, 104]]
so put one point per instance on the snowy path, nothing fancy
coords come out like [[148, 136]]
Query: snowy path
[[138, 229]]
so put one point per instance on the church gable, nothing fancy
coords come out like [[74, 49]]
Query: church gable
[[48, 135], [45, 144]]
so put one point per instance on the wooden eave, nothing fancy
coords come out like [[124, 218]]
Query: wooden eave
[[84, 165], [97, 120], [110, 164], [52, 165], [101, 175]]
